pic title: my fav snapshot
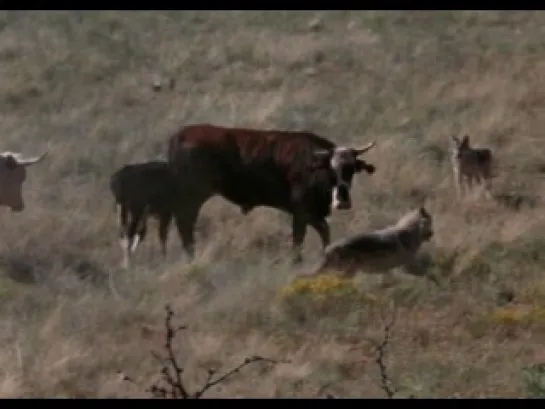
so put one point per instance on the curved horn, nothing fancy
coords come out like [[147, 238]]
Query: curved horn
[[31, 161], [359, 151]]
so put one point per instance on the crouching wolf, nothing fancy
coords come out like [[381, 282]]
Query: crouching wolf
[[381, 250], [141, 190]]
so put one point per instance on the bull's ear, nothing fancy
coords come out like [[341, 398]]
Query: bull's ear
[[359, 151], [456, 140], [11, 162], [321, 159], [362, 165]]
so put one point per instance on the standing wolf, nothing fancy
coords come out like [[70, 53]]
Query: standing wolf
[[471, 164], [380, 250]]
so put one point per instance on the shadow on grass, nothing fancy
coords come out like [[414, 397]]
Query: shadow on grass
[[26, 269]]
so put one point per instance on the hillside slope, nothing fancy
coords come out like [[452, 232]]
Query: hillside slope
[[79, 84]]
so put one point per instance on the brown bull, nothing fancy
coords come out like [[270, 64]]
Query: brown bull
[[297, 172], [12, 175]]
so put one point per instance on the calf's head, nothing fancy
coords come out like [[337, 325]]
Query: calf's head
[[344, 163], [12, 175]]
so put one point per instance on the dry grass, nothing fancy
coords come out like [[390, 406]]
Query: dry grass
[[80, 85]]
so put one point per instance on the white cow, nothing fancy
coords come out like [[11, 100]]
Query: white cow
[[12, 175]]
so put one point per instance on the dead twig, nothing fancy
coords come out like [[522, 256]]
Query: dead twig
[[211, 382], [385, 381], [173, 386]]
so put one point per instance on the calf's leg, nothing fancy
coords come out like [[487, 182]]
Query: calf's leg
[[131, 234], [124, 242], [298, 232], [137, 228], [164, 222]]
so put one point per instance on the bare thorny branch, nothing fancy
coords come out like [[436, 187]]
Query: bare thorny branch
[[173, 386], [385, 382]]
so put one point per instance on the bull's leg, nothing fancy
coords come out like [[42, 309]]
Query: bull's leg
[[196, 191], [299, 230], [186, 219], [164, 222], [322, 228]]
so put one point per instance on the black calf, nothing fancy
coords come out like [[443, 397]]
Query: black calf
[[142, 190]]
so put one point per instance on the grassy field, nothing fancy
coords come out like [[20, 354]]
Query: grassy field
[[79, 84]]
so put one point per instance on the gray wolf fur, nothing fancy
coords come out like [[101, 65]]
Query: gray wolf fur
[[381, 250]]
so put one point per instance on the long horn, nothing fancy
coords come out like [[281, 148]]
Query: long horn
[[364, 149], [31, 161]]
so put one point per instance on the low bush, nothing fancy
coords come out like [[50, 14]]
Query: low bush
[[323, 295]]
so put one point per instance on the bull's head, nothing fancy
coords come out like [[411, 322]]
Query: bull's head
[[12, 175], [344, 163]]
